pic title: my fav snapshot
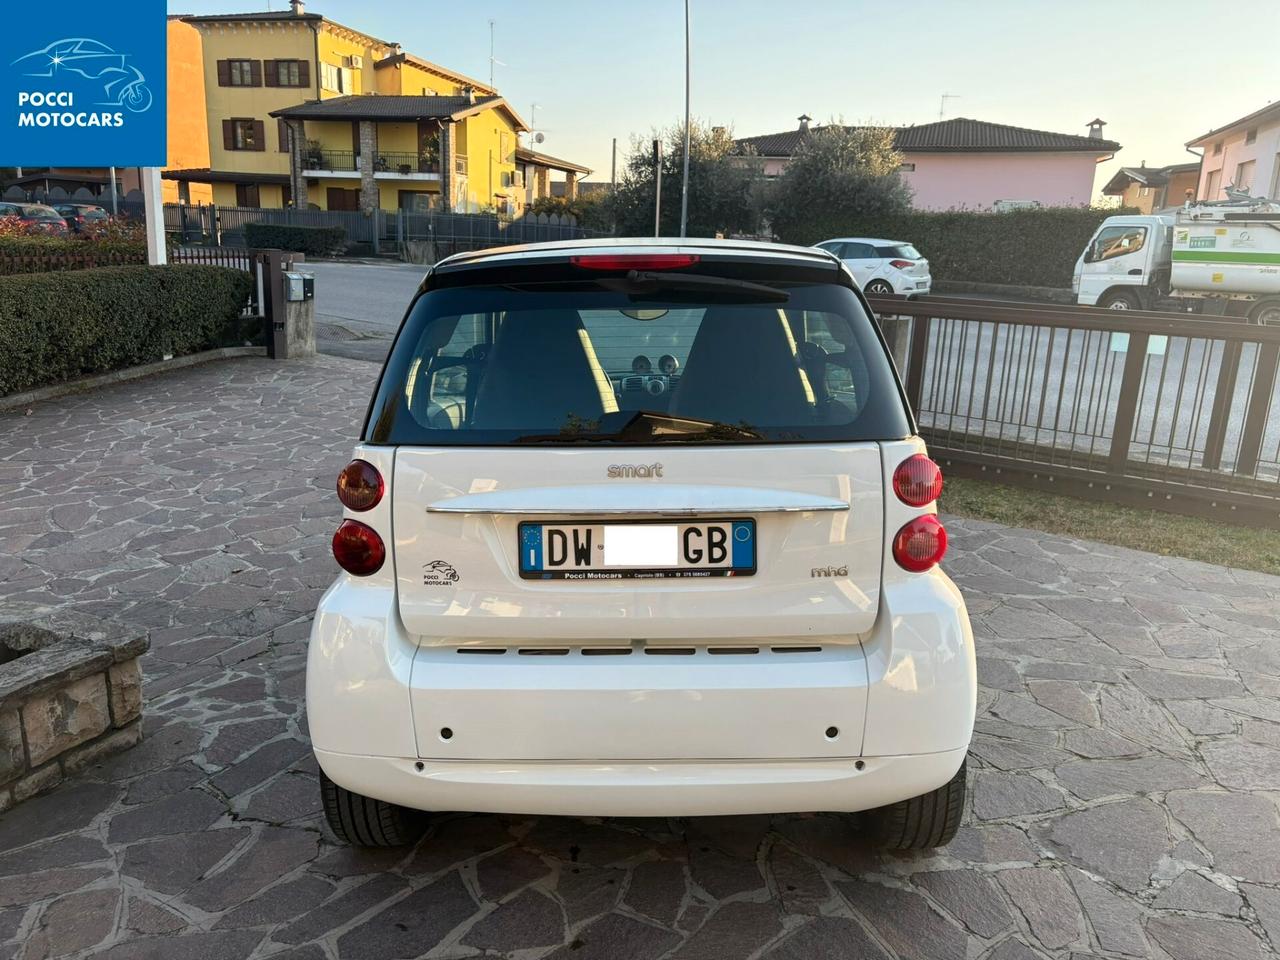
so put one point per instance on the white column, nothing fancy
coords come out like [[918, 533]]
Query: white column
[[154, 209]]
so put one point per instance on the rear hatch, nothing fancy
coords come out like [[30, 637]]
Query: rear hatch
[[906, 258]]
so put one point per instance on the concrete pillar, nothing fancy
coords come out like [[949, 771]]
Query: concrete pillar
[[541, 182], [368, 154], [448, 176], [570, 185], [153, 206], [297, 164]]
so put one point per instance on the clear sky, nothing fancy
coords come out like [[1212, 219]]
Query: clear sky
[[1158, 71]]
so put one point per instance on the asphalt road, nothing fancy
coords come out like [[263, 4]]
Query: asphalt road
[[359, 305]]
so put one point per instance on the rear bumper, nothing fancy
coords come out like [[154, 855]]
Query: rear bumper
[[633, 789]]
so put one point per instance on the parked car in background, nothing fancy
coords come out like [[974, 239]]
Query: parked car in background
[[883, 267], [36, 216], [77, 215], [700, 579]]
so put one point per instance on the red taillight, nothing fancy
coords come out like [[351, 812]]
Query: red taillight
[[360, 485], [917, 481], [358, 548], [902, 264], [634, 261], [920, 544]]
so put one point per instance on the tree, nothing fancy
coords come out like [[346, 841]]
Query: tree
[[721, 185], [839, 177]]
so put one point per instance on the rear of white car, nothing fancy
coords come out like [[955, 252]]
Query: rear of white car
[[883, 267], [640, 530]]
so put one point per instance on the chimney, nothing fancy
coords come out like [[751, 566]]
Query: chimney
[[470, 93], [1095, 129], [298, 7], [804, 119]]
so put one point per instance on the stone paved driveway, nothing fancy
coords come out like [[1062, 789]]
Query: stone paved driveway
[[1124, 787]]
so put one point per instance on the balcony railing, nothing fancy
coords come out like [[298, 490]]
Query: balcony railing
[[330, 160], [406, 163]]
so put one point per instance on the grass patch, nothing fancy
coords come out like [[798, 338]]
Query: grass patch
[[1248, 548]]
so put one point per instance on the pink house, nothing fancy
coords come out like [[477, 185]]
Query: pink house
[[972, 164]]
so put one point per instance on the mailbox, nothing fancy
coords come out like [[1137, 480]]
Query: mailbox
[[299, 286]]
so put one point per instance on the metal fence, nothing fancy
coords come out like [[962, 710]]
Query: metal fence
[[1151, 409]]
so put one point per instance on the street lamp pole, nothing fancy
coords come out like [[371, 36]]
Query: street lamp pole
[[684, 184]]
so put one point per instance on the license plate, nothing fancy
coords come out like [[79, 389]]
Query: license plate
[[637, 551]]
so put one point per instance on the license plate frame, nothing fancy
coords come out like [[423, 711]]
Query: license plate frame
[[743, 554]]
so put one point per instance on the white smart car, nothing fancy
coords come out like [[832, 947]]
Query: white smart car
[[640, 528], [883, 267]]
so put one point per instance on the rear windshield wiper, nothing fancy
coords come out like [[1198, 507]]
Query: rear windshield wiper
[[649, 426], [649, 282]]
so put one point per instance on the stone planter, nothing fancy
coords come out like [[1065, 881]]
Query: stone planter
[[70, 694]]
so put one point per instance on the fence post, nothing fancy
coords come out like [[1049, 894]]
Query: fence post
[[377, 233], [1220, 413], [1135, 360], [1255, 420], [920, 329]]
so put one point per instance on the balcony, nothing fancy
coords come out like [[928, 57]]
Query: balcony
[[387, 164], [329, 161], [405, 164]]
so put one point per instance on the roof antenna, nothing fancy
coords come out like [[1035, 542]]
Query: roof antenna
[[492, 59], [942, 102]]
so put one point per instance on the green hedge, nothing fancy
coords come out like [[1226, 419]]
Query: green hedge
[[1030, 247], [314, 241], [58, 326]]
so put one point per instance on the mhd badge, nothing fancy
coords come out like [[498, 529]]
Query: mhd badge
[[93, 98]]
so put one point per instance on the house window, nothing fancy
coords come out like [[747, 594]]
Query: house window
[[1217, 148], [1244, 175], [1250, 136], [1144, 192], [906, 168], [290, 73], [247, 195], [241, 73], [1212, 184], [246, 135], [332, 77]]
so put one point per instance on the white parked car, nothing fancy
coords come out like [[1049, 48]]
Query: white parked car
[[639, 528], [883, 267]]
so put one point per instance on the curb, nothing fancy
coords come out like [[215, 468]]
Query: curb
[[54, 391]]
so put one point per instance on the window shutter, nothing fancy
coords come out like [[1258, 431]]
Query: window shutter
[[304, 73], [255, 73], [272, 78], [228, 133], [259, 135], [282, 132], [224, 73]]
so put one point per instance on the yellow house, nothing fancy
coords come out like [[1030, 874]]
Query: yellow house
[[259, 66]]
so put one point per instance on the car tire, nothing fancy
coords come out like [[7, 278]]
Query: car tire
[[921, 823], [879, 288], [1120, 300], [364, 822], [1266, 314]]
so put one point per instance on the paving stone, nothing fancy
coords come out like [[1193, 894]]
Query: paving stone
[[970, 897], [508, 870], [1065, 698], [67, 852], [180, 813], [1015, 755], [831, 839], [530, 920], [799, 883], [10, 921], [28, 888], [1099, 744], [73, 923], [452, 841], [342, 909], [163, 783], [172, 864], [997, 796], [829, 937], [1240, 765], [218, 945], [657, 889], [1189, 938], [263, 763], [276, 851], [1190, 891], [278, 904], [1167, 685], [739, 836], [993, 843], [1240, 831], [1116, 920], [1121, 841], [291, 797], [1046, 901], [1093, 779], [148, 918], [1025, 712], [1266, 904], [616, 937], [588, 892], [906, 921], [1013, 949], [723, 876], [734, 930], [1126, 712], [237, 739]]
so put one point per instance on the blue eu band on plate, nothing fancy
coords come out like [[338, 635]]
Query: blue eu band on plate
[[653, 550]]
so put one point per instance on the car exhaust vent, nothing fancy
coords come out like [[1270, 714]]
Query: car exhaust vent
[[732, 650], [796, 649], [670, 651], [606, 651], [543, 651], [493, 651]]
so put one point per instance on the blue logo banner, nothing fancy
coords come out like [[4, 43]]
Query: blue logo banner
[[88, 89]]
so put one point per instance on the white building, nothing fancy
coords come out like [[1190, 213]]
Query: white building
[[1244, 153]]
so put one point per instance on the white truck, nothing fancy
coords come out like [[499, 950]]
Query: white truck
[[1221, 258]]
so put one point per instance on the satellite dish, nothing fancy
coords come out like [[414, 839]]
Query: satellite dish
[[539, 137]]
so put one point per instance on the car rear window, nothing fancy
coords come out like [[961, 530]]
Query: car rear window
[[42, 213], [899, 251], [583, 363]]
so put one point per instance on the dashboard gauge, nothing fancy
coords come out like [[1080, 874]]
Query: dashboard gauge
[[667, 364], [641, 364]]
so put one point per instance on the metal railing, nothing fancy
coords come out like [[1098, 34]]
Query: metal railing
[[1152, 409], [344, 160], [405, 163]]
